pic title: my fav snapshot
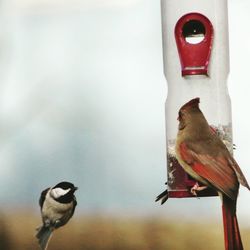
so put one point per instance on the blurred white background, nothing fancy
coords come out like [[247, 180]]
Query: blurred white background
[[82, 99]]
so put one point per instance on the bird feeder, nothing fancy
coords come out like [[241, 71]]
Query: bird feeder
[[196, 64]]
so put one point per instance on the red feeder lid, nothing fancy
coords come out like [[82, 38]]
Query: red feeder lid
[[194, 35]]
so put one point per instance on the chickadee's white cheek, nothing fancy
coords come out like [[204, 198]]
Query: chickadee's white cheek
[[58, 192]]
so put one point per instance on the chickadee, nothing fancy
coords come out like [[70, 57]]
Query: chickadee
[[57, 207]]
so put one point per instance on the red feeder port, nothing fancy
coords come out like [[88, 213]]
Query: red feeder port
[[194, 36]]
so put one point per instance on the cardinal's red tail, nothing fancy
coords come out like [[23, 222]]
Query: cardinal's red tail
[[231, 229]]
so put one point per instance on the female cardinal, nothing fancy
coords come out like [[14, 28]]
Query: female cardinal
[[204, 156]]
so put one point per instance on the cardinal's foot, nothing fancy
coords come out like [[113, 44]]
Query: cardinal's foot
[[196, 188]]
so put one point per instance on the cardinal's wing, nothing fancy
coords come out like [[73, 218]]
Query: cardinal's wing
[[215, 168]]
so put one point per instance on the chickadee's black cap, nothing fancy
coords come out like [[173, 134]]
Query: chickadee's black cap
[[65, 185]]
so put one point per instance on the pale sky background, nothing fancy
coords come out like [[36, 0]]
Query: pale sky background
[[82, 99]]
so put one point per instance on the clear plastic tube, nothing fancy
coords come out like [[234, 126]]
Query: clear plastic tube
[[211, 89]]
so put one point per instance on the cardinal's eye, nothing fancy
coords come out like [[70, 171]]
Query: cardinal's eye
[[179, 115]]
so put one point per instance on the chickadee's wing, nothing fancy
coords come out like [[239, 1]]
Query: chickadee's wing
[[67, 215], [74, 206], [42, 197]]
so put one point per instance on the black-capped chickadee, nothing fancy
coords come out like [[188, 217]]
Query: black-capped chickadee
[[57, 207]]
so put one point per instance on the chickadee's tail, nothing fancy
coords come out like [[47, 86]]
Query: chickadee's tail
[[43, 235]]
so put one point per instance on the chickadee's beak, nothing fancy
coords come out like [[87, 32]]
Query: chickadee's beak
[[75, 188]]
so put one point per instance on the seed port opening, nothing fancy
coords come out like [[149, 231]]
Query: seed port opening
[[194, 31]]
